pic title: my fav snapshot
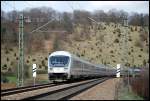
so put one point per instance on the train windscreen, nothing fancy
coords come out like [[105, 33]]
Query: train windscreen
[[59, 61]]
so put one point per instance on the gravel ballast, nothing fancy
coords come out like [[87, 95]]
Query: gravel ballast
[[102, 91]]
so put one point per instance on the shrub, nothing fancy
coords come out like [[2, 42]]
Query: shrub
[[82, 54], [27, 61], [11, 49], [130, 39], [100, 50], [33, 59], [118, 30], [116, 41], [7, 59], [7, 52], [132, 29], [111, 51], [5, 65], [40, 66], [46, 58], [135, 28], [140, 56], [129, 53], [15, 54], [119, 35], [131, 50], [11, 63], [114, 61], [141, 49], [43, 63], [9, 70], [112, 56]]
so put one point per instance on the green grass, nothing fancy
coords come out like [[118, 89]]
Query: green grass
[[43, 81], [12, 79], [124, 94]]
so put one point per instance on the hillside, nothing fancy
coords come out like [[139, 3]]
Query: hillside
[[99, 45], [104, 46]]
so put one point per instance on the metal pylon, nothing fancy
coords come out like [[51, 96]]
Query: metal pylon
[[21, 52]]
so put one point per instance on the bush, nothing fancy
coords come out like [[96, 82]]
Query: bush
[[7, 59], [111, 51], [140, 56], [132, 29], [118, 30], [7, 52], [9, 70], [141, 49], [112, 56], [43, 63], [130, 39], [11, 63], [131, 50], [33, 59], [116, 41], [129, 53], [119, 35], [27, 61], [11, 49], [46, 58], [40, 66], [114, 61], [15, 54]]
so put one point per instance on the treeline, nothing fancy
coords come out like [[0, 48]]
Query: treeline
[[44, 14], [61, 20]]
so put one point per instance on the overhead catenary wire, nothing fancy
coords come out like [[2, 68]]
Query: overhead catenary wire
[[42, 26]]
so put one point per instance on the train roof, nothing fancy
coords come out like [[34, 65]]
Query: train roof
[[60, 53]]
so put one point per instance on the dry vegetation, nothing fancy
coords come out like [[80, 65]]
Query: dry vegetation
[[98, 44]]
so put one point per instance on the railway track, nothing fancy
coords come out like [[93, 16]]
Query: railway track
[[24, 89], [67, 92], [50, 91]]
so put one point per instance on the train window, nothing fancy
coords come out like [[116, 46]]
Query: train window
[[59, 61]]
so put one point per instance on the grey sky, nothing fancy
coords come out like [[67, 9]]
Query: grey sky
[[69, 6]]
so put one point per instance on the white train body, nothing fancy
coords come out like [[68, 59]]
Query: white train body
[[63, 65]]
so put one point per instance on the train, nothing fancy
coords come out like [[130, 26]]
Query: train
[[66, 66]]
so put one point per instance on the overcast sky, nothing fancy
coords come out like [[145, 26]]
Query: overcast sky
[[69, 6]]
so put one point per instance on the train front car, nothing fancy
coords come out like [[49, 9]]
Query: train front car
[[59, 65]]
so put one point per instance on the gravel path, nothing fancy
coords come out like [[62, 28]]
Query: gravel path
[[103, 91]]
